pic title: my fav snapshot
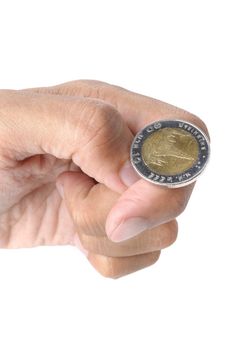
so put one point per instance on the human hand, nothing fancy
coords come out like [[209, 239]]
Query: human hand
[[42, 130]]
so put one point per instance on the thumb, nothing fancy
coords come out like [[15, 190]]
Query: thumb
[[88, 131]]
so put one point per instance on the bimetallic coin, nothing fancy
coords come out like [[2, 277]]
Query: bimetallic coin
[[172, 153]]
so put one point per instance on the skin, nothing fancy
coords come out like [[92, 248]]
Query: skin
[[62, 150]]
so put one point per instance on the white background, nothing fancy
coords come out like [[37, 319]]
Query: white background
[[179, 52]]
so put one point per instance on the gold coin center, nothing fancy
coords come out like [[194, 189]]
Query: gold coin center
[[170, 151]]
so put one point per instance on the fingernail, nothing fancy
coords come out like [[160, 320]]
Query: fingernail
[[128, 175], [60, 189], [128, 229]]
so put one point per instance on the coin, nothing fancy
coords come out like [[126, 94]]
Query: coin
[[172, 153]]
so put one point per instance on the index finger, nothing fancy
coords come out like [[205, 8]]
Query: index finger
[[136, 109]]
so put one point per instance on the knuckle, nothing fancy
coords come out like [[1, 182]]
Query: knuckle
[[107, 267], [88, 222], [83, 220], [102, 112], [85, 241], [85, 87], [102, 132], [94, 243], [102, 119], [173, 230], [114, 268], [171, 233], [106, 117], [152, 258], [179, 203]]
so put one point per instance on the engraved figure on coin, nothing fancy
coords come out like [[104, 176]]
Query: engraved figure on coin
[[170, 151]]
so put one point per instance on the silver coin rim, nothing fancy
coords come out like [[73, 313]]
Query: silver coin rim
[[177, 184]]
